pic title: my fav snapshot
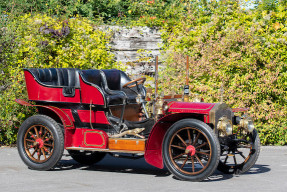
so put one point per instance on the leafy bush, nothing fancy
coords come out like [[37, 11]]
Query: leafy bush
[[43, 42], [245, 51]]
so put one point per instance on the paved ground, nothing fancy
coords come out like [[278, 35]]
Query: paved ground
[[113, 174]]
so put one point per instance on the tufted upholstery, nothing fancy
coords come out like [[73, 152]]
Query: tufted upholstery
[[60, 77]]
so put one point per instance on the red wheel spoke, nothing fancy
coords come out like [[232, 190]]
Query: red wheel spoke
[[45, 134], [192, 162], [184, 162], [33, 153], [178, 156], [189, 138], [199, 160], [47, 150], [49, 145], [202, 145], [39, 154], [203, 153], [44, 153], [36, 131], [179, 147], [181, 139], [29, 140], [50, 138], [195, 140], [41, 131]]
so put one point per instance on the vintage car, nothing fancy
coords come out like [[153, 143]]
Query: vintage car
[[94, 112]]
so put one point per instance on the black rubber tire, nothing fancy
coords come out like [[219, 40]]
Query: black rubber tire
[[243, 167], [87, 157], [214, 146], [58, 138]]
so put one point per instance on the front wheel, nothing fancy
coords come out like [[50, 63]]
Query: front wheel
[[191, 150], [240, 154], [40, 142]]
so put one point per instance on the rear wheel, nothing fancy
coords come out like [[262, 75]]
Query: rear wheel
[[87, 157], [40, 142], [241, 153], [191, 150]]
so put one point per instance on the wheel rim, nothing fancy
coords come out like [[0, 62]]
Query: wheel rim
[[39, 143], [190, 151], [239, 155]]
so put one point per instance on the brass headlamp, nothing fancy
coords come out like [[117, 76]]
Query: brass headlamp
[[225, 126], [246, 123]]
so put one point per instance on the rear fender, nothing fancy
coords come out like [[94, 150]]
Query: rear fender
[[63, 116], [153, 151]]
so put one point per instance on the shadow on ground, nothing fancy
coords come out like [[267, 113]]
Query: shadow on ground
[[139, 166]]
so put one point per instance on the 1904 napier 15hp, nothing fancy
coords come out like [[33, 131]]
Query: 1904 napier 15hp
[[93, 112]]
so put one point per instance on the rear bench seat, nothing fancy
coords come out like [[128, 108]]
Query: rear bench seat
[[68, 78]]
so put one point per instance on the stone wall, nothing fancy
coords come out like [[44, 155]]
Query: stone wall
[[127, 42]]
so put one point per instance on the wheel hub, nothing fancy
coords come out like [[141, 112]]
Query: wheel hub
[[190, 149], [40, 142]]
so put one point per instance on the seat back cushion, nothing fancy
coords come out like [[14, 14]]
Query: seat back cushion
[[113, 78], [68, 77], [91, 76], [63, 77]]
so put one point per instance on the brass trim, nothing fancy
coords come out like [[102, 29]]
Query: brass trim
[[94, 132]]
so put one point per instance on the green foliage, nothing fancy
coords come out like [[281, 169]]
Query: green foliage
[[245, 51], [42, 42], [242, 49]]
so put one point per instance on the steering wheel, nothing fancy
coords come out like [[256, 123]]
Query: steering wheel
[[136, 82]]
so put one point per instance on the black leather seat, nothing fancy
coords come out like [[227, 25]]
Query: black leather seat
[[68, 78], [57, 77], [115, 81], [98, 78]]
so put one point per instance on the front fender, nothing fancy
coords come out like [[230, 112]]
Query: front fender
[[153, 151]]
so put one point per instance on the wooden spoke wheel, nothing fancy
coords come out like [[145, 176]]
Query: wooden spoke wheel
[[241, 153], [40, 142], [191, 150]]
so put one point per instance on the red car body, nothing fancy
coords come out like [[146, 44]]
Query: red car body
[[84, 110]]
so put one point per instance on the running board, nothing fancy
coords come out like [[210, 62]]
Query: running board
[[104, 150]]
